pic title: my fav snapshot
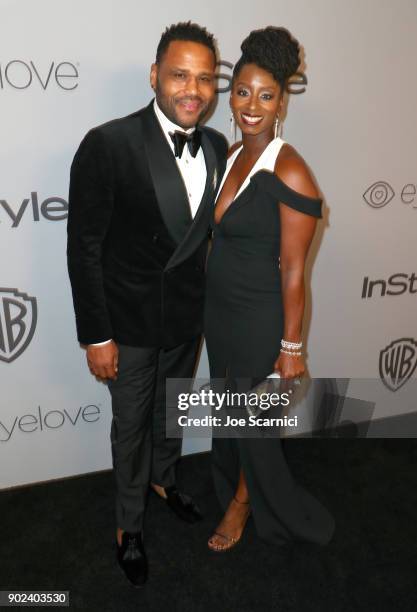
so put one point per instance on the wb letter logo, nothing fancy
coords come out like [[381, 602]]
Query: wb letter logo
[[397, 362], [18, 316]]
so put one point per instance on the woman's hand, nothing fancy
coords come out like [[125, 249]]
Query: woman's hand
[[289, 366]]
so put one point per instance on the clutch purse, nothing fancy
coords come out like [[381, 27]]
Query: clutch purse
[[258, 395], [270, 384]]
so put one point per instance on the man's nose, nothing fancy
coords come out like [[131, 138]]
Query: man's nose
[[192, 85]]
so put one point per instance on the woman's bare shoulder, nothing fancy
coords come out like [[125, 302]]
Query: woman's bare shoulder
[[292, 169], [233, 148]]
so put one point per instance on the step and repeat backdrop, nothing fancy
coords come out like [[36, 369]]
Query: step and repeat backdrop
[[67, 66]]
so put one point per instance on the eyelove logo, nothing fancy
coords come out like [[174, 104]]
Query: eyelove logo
[[397, 362], [54, 419], [381, 193], [52, 209], [18, 317], [396, 284], [22, 74]]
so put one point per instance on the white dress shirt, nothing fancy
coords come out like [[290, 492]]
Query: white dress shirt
[[193, 169]]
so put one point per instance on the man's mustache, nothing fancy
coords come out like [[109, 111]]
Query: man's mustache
[[190, 99]]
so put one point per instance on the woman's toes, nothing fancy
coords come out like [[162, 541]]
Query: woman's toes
[[215, 543]]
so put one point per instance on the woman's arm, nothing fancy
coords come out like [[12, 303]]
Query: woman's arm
[[297, 231]]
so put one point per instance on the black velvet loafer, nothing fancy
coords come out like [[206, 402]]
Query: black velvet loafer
[[132, 558], [183, 506]]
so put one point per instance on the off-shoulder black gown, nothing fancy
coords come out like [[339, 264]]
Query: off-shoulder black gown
[[243, 330]]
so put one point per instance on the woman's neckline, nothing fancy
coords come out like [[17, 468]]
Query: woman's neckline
[[251, 172]]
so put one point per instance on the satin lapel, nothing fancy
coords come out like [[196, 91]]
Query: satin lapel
[[200, 225], [166, 177], [211, 178]]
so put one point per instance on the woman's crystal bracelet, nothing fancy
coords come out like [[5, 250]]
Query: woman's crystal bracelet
[[291, 345], [295, 353]]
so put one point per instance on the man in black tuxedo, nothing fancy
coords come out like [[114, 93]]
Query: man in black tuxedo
[[141, 195]]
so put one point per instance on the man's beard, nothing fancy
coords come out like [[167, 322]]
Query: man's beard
[[169, 110]]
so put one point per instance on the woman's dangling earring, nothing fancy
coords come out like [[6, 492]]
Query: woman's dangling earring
[[232, 128], [276, 127]]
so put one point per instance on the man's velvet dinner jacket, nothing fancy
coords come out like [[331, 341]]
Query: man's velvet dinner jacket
[[136, 258]]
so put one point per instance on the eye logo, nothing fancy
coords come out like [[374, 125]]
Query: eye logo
[[397, 362], [379, 194], [18, 316]]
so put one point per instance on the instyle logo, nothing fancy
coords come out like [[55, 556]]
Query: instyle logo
[[396, 284], [381, 193], [42, 421], [22, 74], [296, 84], [397, 363], [51, 209], [18, 317]]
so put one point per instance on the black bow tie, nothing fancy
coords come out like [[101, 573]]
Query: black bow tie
[[179, 139]]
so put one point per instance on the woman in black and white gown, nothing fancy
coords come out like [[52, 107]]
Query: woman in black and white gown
[[263, 223]]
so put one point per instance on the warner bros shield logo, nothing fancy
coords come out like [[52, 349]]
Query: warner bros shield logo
[[18, 316], [397, 362]]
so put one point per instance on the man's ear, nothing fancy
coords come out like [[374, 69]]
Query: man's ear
[[153, 76]]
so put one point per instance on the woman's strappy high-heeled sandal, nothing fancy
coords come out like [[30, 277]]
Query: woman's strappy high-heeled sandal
[[230, 541]]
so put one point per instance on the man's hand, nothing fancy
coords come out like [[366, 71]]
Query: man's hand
[[103, 360]]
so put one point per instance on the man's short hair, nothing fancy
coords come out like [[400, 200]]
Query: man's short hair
[[186, 31]]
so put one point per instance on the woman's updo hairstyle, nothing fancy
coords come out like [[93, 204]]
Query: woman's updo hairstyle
[[274, 50]]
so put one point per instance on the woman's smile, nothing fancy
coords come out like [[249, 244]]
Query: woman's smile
[[251, 119]]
